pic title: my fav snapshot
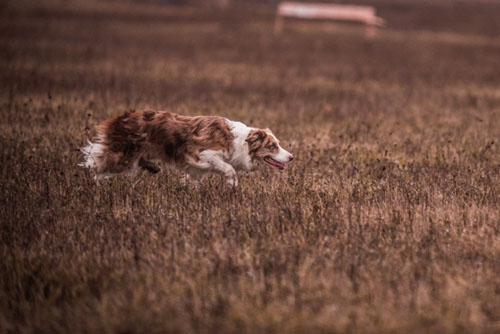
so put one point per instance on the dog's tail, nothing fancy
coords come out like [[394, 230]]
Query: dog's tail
[[93, 155]]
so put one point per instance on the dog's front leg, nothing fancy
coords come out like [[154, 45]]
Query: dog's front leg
[[230, 175], [212, 160]]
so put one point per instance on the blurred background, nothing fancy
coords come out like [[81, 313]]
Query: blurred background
[[386, 221]]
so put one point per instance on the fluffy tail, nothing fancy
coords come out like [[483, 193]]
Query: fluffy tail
[[93, 156]]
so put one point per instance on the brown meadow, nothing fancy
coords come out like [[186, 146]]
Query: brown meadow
[[388, 220]]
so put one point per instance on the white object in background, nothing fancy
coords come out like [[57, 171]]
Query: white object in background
[[363, 14]]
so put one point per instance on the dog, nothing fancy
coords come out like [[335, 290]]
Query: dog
[[196, 145]]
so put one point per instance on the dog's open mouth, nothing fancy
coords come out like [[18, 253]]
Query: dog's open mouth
[[274, 163]]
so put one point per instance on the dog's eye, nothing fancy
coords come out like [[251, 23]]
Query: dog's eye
[[272, 147]]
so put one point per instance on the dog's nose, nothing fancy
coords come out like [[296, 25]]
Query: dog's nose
[[290, 158]]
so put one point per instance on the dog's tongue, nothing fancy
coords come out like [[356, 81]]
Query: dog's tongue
[[275, 163]]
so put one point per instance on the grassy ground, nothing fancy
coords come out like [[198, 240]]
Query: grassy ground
[[387, 221]]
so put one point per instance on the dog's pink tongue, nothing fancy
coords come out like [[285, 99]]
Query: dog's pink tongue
[[275, 163]]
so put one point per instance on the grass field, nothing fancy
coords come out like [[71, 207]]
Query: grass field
[[387, 221]]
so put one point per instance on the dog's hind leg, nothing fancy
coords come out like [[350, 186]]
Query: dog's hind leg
[[149, 166], [118, 163]]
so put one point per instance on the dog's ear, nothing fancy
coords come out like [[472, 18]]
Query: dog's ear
[[254, 140], [254, 136]]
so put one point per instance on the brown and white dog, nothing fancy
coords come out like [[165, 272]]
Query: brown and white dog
[[194, 144]]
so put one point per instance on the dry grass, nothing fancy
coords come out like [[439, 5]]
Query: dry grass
[[387, 221]]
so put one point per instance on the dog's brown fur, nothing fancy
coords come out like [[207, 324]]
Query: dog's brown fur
[[148, 134], [261, 143]]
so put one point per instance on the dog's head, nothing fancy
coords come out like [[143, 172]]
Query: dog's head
[[264, 146]]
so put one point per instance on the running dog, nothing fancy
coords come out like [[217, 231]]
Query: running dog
[[199, 144]]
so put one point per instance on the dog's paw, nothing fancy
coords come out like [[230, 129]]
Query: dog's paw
[[232, 181]]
